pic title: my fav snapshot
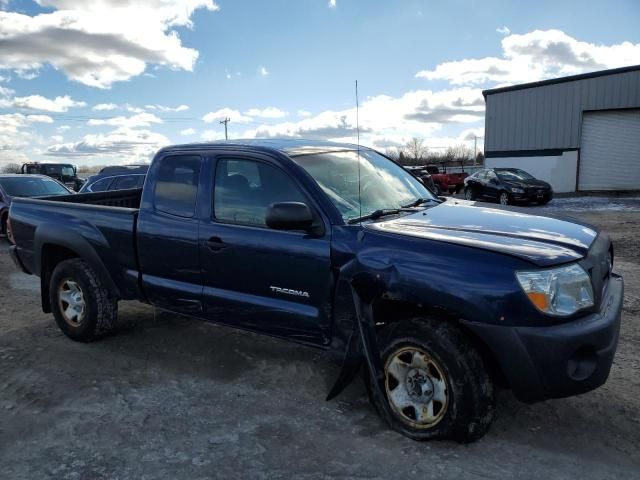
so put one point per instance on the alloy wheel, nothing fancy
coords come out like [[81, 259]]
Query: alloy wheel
[[72, 303]]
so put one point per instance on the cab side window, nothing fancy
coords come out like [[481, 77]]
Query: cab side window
[[176, 187], [244, 190]]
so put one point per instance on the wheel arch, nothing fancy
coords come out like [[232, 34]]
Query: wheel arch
[[53, 246], [387, 311]]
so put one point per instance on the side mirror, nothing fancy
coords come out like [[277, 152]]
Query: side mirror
[[289, 216]]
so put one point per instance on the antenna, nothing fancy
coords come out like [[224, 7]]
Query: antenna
[[358, 137]]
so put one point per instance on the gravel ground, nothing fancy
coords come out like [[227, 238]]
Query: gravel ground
[[168, 397]]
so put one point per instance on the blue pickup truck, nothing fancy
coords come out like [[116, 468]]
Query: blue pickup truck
[[337, 247]]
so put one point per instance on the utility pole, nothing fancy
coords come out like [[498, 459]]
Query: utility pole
[[475, 149], [225, 121]]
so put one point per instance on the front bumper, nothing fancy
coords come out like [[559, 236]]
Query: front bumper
[[561, 360], [532, 196], [13, 253]]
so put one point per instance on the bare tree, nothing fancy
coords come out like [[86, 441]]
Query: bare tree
[[458, 154], [393, 153], [10, 168], [415, 150]]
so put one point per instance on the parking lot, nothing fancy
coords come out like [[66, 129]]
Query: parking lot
[[174, 398]]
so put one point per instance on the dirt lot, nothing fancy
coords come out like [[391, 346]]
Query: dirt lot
[[168, 397]]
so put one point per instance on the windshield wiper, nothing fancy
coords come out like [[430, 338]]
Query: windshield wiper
[[418, 201], [375, 214]]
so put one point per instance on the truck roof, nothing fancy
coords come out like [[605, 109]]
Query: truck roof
[[285, 145]]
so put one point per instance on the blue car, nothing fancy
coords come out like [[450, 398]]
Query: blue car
[[122, 177], [25, 186]]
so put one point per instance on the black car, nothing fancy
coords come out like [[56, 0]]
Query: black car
[[12, 185], [424, 176], [506, 186], [116, 178]]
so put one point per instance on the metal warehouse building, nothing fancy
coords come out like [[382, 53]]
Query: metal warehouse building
[[579, 133]]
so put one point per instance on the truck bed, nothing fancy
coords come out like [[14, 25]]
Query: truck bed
[[98, 227], [115, 198]]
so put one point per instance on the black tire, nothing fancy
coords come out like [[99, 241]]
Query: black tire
[[100, 310], [438, 190], [469, 194], [504, 195], [470, 397]]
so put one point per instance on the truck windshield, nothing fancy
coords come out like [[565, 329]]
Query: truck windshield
[[31, 187], [64, 170], [384, 185]]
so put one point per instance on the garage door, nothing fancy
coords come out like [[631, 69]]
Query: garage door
[[610, 151]]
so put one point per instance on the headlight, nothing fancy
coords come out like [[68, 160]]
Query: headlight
[[558, 291], [517, 190]]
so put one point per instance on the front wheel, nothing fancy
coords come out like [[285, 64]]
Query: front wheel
[[469, 194], [504, 198], [82, 306], [436, 385]]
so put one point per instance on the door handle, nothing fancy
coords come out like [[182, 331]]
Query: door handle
[[215, 244]]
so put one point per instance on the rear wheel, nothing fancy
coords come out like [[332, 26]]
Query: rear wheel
[[436, 384], [504, 198], [438, 190], [81, 305]]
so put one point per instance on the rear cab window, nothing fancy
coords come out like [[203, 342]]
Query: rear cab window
[[176, 187]]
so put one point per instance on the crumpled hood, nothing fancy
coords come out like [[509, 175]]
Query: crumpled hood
[[544, 241]]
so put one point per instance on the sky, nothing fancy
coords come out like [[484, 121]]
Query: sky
[[97, 82]]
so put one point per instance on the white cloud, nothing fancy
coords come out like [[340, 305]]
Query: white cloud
[[211, 135], [57, 138], [263, 71], [386, 120], [187, 132], [104, 107], [137, 120], [132, 108], [63, 128], [269, 112], [122, 145], [38, 102], [233, 115], [100, 42], [15, 136], [40, 118], [304, 113], [503, 30], [534, 56], [164, 108], [332, 3]]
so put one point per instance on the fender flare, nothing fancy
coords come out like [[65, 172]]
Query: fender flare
[[51, 234]]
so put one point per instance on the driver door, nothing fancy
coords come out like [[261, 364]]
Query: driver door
[[273, 281], [492, 185]]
